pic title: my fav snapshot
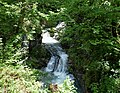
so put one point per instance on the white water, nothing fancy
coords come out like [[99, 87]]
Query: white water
[[47, 39], [57, 65]]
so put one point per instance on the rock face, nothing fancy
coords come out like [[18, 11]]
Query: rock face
[[53, 87], [37, 54]]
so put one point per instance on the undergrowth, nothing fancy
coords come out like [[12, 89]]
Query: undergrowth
[[22, 79], [18, 79]]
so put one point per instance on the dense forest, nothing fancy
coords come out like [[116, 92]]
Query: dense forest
[[91, 38]]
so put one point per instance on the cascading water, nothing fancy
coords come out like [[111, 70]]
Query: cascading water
[[57, 65]]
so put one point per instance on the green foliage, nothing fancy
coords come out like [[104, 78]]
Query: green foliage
[[92, 40], [18, 18], [19, 79], [24, 79], [107, 84], [67, 87]]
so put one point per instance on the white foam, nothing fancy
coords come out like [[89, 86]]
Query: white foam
[[48, 39]]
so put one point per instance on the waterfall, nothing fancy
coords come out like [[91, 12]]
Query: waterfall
[[57, 64]]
